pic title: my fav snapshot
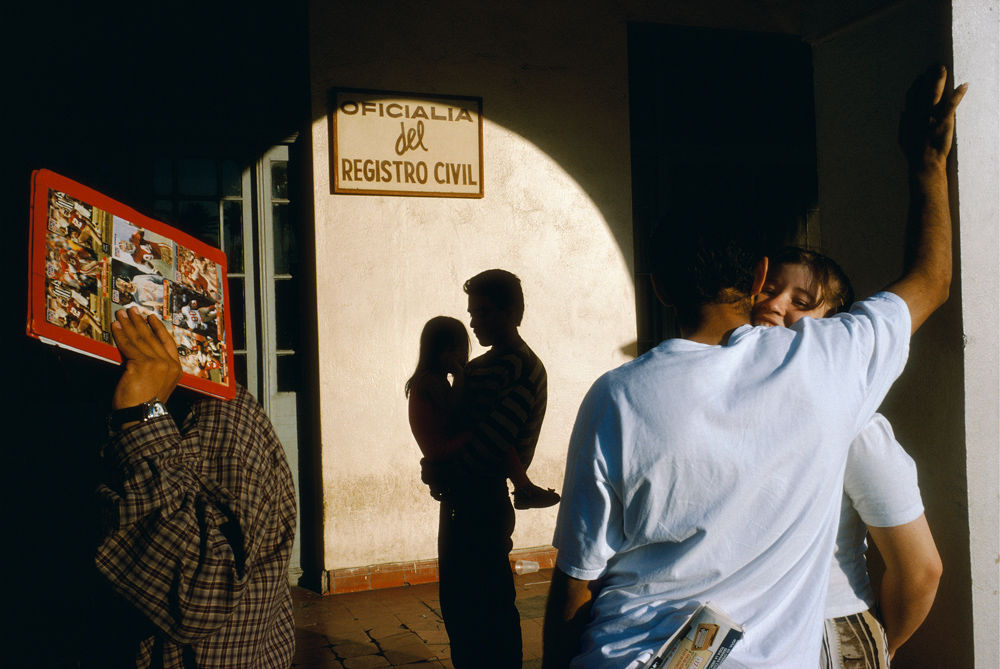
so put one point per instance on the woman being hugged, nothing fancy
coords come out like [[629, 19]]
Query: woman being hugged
[[881, 496]]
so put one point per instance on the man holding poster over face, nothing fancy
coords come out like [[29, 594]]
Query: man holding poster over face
[[198, 516]]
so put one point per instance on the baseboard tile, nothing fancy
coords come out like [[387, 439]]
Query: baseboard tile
[[398, 574]]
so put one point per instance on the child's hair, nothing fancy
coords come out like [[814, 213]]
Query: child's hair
[[835, 289], [440, 334]]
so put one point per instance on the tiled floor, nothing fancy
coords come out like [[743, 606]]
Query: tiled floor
[[398, 627]]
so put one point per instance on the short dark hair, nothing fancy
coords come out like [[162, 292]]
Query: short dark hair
[[501, 288], [835, 288], [704, 255]]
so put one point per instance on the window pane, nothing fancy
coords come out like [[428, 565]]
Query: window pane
[[286, 308], [232, 234], [200, 219], [164, 209], [196, 176], [232, 179], [279, 179], [288, 373], [237, 312], [163, 177], [285, 247], [240, 363]]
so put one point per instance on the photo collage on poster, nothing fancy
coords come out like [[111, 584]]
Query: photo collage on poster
[[75, 270], [97, 263]]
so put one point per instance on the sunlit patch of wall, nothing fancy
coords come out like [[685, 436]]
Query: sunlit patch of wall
[[387, 264], [556, 211]]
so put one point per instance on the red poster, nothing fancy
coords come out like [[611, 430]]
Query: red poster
[[91, 256]]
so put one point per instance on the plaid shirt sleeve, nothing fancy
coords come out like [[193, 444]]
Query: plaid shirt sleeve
[[197, 520]]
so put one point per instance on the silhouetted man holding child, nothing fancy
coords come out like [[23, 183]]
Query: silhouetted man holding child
[[504, 398]]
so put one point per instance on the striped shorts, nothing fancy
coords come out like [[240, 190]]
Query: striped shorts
[[854, 642]]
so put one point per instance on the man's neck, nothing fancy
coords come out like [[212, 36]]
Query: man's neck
[[716, 323], [507, 341]]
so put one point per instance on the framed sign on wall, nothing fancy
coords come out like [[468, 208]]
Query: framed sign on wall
[[393, 143]]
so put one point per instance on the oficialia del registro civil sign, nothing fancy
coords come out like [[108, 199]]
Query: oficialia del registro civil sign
[[392, 143]]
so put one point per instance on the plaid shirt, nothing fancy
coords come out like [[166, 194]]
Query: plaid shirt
[[198, 529]]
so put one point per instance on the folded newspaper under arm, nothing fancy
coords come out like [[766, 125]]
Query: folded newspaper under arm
[[702, 642]]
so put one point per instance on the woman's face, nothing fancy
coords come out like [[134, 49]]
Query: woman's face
[[789, 294]]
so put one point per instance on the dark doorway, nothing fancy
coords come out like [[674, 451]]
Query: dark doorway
[[718, 116], [146, 103]]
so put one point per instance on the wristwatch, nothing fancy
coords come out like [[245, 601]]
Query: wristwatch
[[143, 413]]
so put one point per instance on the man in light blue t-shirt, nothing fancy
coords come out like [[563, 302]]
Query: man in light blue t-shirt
[[697, 473]]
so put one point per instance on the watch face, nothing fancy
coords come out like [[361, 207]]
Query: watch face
[[155, 410]]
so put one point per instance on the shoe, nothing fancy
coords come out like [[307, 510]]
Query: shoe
[[535, 498]]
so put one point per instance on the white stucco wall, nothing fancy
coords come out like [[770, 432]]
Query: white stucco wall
[[975, 34], [387, 264]]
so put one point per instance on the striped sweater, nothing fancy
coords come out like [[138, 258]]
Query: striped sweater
[[505, 397]]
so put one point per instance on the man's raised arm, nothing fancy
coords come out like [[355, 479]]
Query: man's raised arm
[[926, 132], [169, 546]]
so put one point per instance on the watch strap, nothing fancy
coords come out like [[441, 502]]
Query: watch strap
[[141, 412]]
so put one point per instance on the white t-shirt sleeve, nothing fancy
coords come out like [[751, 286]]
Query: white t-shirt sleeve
[[881, 478], [589, 529], [880, 340]]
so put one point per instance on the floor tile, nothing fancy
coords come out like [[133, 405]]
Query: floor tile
[[398, 627]]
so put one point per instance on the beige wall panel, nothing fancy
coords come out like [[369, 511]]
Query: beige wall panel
[[976, 36]]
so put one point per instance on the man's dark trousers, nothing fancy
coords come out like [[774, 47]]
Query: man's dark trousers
[[476, 584]]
